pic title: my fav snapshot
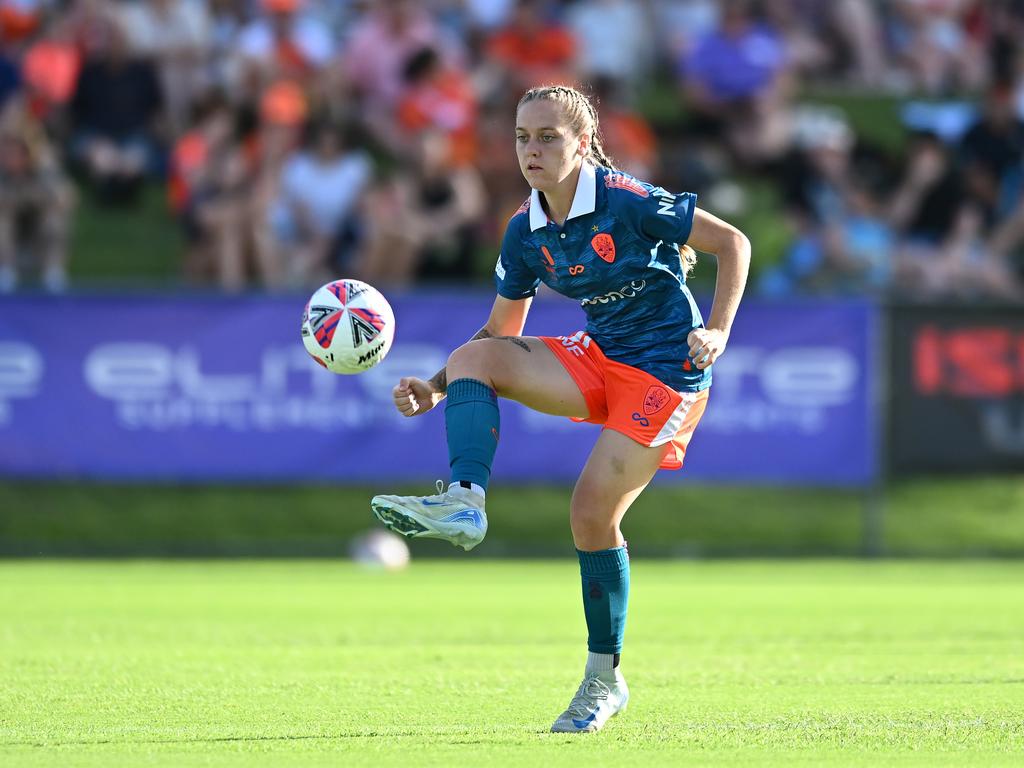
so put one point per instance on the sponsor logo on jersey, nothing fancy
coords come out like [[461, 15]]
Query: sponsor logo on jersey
[[666, 203], [576, 269], [628, 183], [499, 270], [604, 246], [657, 397], [625, 292]]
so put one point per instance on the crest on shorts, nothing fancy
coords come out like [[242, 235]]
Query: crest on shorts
[[656, 398], [604, 246]]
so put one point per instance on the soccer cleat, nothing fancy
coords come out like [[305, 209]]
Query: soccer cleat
[[456, 515], [601, 695]]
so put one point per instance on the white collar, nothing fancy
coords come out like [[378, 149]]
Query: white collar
[[584, 201]]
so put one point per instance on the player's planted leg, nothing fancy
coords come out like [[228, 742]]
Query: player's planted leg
[[616, 472]]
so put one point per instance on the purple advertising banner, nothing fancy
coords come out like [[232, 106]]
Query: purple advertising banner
[[221, 389]]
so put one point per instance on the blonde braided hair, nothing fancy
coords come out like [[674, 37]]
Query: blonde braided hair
[[582, 118], [581, 114]]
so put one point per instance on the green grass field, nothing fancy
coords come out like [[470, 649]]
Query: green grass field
[[467, 663], [938, 516]]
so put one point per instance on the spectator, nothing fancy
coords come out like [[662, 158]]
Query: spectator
[[379, 48], [439, 97], [35, 205], [612, 39], [285, 42], [936, 43], [424, 223], [10, 77], [175, 36], [842, 241], [992, 156], [19, 19], [115, 111], [735, 83], [312, 220], [50, 68], [532, 49], [211, 170], [937, 224]]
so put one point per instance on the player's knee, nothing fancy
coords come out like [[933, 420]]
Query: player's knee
[[472, 360], [591, 526]]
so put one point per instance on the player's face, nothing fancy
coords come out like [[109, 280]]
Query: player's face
[[546, 145]]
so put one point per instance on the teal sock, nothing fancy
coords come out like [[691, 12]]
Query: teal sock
[[605, 577], [472, 420]]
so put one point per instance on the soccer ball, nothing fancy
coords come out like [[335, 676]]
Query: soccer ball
[[380, 549], [348, 326]]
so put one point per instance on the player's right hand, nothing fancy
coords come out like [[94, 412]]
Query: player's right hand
[[414, 397]]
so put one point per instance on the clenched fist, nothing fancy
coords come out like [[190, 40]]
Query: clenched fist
[[706, 346], [414, 397]]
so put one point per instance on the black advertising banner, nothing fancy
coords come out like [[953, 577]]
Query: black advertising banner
[[957, 396]]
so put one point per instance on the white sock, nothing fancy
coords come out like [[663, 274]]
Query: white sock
[[600, 662], [477, 489]]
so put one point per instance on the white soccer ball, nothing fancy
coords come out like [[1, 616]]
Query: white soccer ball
[[380, 549], [348, 326]]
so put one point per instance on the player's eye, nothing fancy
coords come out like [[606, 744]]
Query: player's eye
[[521, 138], [547, 138]]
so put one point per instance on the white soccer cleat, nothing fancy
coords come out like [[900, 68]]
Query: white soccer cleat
[[601, 695], [456, 515]]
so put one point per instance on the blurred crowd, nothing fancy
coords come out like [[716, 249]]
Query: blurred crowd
[[298, 139]]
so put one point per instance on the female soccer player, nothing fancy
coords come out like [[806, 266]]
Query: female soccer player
[[642, 368]]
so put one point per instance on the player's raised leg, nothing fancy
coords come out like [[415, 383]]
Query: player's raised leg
[[515, 367], [617, 471]]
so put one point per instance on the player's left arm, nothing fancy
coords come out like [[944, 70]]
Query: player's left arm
[[732, 249]]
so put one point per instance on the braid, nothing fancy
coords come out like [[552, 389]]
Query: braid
[[581, 113]]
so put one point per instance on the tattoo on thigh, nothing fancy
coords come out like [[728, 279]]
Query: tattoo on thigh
[[515, 340]]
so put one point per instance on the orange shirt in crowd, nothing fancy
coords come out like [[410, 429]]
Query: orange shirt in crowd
[[50, 69], [543, 52], [447, 103], [17, 23]]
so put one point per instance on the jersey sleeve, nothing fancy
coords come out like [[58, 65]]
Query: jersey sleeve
[[513, 279], [659, 215]]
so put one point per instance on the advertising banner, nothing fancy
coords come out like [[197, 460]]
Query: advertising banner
[[957, 400], [207, 389]]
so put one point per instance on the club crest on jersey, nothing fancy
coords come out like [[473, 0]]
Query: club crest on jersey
[[366, 325], [656, 398], [604, 246]]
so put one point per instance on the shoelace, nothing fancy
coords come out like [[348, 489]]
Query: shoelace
[[591, 690], [440, 488]]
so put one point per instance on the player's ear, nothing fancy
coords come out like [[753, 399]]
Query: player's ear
[[583, 149]]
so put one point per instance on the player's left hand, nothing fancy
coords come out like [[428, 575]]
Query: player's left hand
[[706, 346]]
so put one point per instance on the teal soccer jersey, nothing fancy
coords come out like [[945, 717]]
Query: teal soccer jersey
[[617, 255]]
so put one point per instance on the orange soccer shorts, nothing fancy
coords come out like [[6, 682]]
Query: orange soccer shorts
[[629, 400]]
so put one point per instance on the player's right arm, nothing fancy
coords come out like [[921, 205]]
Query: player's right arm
[[414, 397], [516, 286]]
